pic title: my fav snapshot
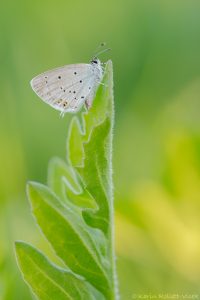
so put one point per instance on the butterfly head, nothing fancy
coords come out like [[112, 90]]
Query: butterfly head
[[95, 61], [97, 68]]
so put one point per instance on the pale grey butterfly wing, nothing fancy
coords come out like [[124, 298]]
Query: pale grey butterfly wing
[[65, 88]]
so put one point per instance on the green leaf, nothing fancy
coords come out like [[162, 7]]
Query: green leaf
[[95, 175], [68, 235], [63, 180], [58, 174], [74, 143], [48, 281]]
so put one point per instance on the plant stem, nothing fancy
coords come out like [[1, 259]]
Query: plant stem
[[115, 292]]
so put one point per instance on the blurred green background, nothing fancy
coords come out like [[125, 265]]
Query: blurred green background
[[156, 55]]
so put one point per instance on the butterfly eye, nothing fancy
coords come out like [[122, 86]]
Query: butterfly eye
[[94, 61]]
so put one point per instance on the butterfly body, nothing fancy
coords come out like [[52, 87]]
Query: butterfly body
[[67, 88]]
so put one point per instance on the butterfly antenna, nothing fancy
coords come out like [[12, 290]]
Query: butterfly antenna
[[97, 53], [99, 47], [102, 51]]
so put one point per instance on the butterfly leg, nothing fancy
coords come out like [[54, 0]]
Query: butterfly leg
[[89, 100], [103, 84], [87, 104], [62, 113]]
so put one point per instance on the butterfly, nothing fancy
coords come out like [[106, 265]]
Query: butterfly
[[67, 88]]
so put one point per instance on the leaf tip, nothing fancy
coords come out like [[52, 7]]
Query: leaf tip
[[20, 247]]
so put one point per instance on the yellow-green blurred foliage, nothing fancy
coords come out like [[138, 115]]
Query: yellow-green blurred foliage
[[156, 55]]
